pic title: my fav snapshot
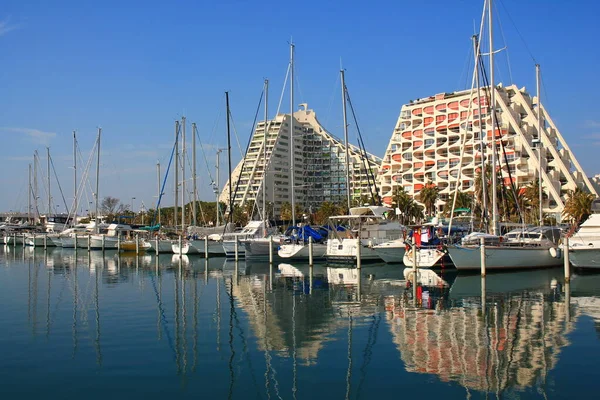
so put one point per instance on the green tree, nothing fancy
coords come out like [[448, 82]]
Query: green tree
[[578, 206], [428, 196]]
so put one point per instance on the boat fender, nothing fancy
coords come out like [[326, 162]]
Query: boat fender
[[554, 252]]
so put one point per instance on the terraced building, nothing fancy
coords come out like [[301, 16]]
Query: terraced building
[[319, 165], [437, 140]]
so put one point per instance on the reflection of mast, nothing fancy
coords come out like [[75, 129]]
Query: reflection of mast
[[97, 341], [75, 306], [295, 363], [184, 324], [195, 330], [47, 295], [177, 318], [231, 348], [349, 372]]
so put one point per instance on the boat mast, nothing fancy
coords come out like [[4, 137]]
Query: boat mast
[[539, 144], [346, 138], [48, 179], [264, 182], [483, 147], [29, 197], [176, 174], [97, 178], [183, 175], [158, 181], [35, 183], [493, 121], [195, 189], [292, 144], [230, 215], [216, 186], [75, 202]]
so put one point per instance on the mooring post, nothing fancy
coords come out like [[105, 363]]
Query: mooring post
[[271, 249], [206, 246], [358, 253], [310, 251], [567, 262], [482, 254]]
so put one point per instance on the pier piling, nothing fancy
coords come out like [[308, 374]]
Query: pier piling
[[271, 249], [310, 252], [482, 253], [235, 247], [358, 254], [206, 246], [567, 262]]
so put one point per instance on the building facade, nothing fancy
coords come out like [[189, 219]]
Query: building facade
[[319, 166], [437, 140]]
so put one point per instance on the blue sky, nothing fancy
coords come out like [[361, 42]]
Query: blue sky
[[134, 67]]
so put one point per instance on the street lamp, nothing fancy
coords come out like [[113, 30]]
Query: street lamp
[[132, 209]]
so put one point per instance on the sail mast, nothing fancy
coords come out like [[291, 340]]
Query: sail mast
[[29, 197], [75, 202], [346, 144], [493, 122], [217, 187], [481, 131], [539, 137], [264, 181], [195, 188], [97, 178], [176, 174], [292, 144], [183, 174], [230, 215], [48, 179], [158, 182]]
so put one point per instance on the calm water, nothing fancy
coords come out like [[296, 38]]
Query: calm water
[[75, 326]]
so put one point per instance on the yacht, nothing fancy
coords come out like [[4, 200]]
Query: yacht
[[367, 225], [253, 230], [523, 248], [584, 246]]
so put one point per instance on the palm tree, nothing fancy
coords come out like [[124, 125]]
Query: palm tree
[[428, 196], [578, 206], [410, 211]]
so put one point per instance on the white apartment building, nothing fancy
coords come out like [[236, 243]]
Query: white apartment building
[[437, 140], [319, 166]]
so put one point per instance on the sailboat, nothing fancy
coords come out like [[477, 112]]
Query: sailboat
[[530, 249]]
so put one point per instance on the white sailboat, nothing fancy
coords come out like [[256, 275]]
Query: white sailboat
[[538, 250]]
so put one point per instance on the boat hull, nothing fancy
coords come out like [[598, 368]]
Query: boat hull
[[346, 250], [582, 257], [391, 253], [164, 246], [229, 248], [260, 248], [504, 257], [426, 257], [294, 251]]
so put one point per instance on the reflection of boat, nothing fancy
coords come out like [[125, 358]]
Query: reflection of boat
[[425, 277], [466, 285], [164, 245], [513, 345]]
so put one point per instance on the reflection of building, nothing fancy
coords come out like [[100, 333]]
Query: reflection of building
[[319, 170], [284, 322], [513, 345], [428, 145]]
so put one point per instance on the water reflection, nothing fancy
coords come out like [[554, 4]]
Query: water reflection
[[269, 327]]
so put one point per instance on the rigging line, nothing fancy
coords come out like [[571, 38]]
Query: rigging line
[[503, 149], [162, 189], [505, 46], [237, 184], [59, 187], [364, 156], [331, 99], [287, 73], [518, 32], [237, 138], [204, 156]]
